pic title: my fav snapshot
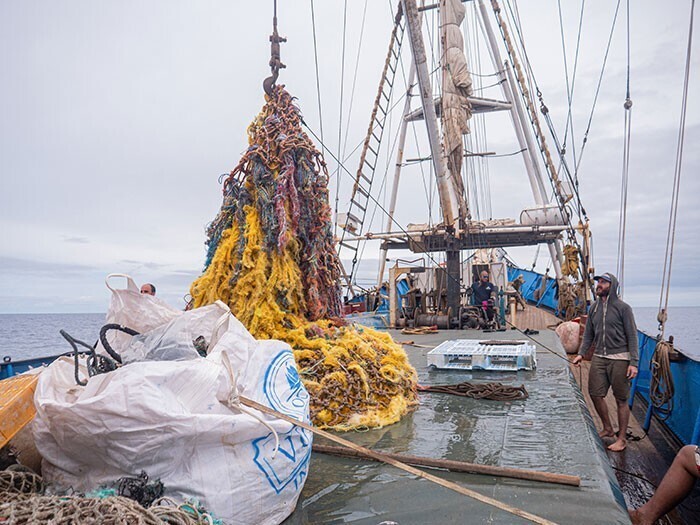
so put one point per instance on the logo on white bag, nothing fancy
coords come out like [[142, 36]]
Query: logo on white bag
[[285, 393], [291, 463], [283, 387]]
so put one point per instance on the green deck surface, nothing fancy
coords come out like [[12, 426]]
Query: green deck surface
[[550, 431]]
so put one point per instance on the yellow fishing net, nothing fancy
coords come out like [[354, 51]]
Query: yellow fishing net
[[271, 258]]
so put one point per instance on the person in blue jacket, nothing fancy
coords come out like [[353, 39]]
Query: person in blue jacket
[[484, 293]]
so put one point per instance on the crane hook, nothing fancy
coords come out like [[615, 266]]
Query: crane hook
[[275, 62]]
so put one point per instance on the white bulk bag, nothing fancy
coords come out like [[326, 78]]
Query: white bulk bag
[[129, 307], [175, 341], [179, 421]]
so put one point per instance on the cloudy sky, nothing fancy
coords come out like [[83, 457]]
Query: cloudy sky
[[117, 118]]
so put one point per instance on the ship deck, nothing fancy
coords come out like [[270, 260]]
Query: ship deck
[[646, 459], [550, 431]]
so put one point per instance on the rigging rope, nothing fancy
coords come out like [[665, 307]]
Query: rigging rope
[[555, 181], [318, 78], [395, 40], [661, 388], [535, 123], [622, 226], [354, 78], [426, 185], [421, 246], [671, 234], [340, 112], [537, 256], [570, 85], [597, 92]]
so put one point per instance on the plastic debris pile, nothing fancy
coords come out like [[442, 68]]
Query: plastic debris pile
[[271, 258]]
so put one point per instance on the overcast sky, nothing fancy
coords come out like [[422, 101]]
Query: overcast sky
[[117, 118]]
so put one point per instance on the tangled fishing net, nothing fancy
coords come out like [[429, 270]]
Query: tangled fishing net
[[271, 258], [23, 500]]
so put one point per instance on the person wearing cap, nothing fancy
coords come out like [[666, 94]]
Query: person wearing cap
[[483, 293], [612, 328]]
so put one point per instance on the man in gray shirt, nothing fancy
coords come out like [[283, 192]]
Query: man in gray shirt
[[612, 328]]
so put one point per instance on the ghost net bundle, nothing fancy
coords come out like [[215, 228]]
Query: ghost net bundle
[[271, 258]]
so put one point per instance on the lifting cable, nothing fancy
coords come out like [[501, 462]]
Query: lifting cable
[[661, 388], [318, 79], [340, 111], [622, 226], [275, 61]]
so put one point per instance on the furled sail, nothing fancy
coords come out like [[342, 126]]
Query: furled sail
[[456, 86]]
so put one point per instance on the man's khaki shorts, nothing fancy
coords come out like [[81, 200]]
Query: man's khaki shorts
[[605, 373]]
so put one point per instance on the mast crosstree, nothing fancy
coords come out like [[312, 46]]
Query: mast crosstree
[[544, 223]]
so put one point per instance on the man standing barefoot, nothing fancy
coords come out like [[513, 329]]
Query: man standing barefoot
[[612, 328]]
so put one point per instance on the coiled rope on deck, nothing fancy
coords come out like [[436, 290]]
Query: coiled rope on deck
[[271, 258], [492, 391], [661, 387]]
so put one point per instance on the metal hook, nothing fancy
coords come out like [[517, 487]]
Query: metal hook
[[275, 62]]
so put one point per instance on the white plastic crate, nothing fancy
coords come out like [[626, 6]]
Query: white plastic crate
[[471, 354]]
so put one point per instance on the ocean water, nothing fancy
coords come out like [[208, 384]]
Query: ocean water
[[24, 336]]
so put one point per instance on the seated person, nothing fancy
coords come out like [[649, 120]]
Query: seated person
[[484, 293]]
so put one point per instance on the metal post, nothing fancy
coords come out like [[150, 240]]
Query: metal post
[[448, 199], [393, 296], [397, 170], [502, 307], [453, 270]]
